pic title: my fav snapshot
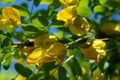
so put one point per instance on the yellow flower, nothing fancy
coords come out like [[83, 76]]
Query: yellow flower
[[27, 50], [66, 3], [98, 77], [56, 52], [10, 16], [80, 26], [111, 29], [44, 40], [36, 56], [20, 77], [95, 51], [98, 44], [116, 77], [46, 49], [67, 15], [2, 22]]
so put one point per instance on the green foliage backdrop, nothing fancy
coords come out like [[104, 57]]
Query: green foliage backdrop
[[70, 40]]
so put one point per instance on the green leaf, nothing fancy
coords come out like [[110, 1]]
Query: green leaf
[[103, 1], [46, 1], [62, 73], [100, 9], [41, 23], [7, 60], [56, 3], [1, 56], [84, 3], [114, 3], [60, 34], [7, 42], [37, 76], [96, 72], [18, 35], [111, 3], [75, 67], [7, 1], [50, 10], [83, 11], [32, 31], [49, 66], [36, 2], [85, 64], [24, 71], [22, 10], [69, 71], [2, 37], [55, 23], [78, 54], [43, 20]]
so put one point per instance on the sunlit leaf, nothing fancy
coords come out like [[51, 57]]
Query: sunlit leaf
[[46, 1], [103, 1], [100, 9], [50, 10], [96, 72], [7, 60], [83, 11], [60, 34], [7, 1], [23, 10], [32, 31], [41, 25], [84, 3]]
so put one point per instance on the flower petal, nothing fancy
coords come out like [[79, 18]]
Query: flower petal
[[11, 15], [80, 26], [57, 49], [35, 56], [56, 52], [67, 15], [45, 40], [2, 22]]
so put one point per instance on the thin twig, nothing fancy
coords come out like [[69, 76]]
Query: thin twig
[[72, 42], [17, 43]]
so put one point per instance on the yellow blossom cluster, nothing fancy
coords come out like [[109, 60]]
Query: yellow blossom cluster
[[95, 51], [111, 29], [46, 49], [77, 25], [10, 16]]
